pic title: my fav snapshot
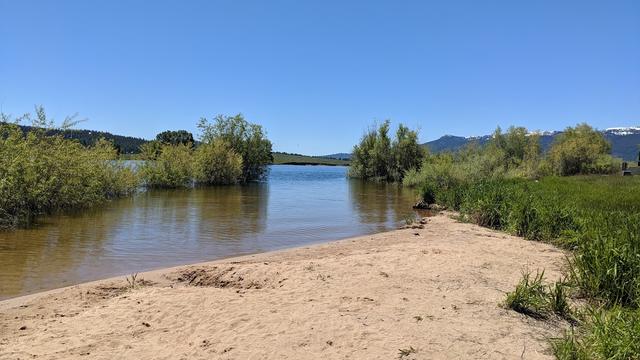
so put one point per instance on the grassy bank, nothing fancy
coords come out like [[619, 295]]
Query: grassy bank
[[597, 218]]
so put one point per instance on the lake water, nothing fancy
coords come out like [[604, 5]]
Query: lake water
[[298, 205]]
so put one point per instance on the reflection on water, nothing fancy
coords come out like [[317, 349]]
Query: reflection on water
[[298, 205]]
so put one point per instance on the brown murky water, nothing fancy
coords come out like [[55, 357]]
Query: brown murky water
[[298, 205]]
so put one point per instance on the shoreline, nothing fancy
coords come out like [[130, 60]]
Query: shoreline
[[155, 273], [435, 290]]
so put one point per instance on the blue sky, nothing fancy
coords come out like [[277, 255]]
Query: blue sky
[[316, 74]]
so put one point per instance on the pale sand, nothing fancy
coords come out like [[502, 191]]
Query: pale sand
[[359, 298]]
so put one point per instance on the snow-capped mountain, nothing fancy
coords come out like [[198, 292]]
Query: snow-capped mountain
[[625, 141], [622, 131]]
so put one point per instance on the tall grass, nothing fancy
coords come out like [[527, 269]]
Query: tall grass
[[597, 217]]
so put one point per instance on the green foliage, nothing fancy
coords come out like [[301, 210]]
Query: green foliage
[[558, 302], [607, 261], [179, 137], [216, 163], [581, 150], [378, 158], [150, 150], [516, 152], [244, 138], [534, 298], [608, 334], [530, 296], [42, 174], [598, 217], [172, 168]]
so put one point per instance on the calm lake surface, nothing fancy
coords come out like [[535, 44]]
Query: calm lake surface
[[298, 205]]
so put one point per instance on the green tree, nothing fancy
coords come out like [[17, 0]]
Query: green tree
[[581, 150], [377, 158], [175, 137], [244, 138], [407, 151]]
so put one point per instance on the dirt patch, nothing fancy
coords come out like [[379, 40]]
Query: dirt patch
[[221, 277]]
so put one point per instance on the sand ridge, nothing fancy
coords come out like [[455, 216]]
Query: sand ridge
[[431, 293]]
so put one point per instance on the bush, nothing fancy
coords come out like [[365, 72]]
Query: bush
[[378, 158], [216, 163], [581, 150], [172, 168], [42, 174], [244, 138]]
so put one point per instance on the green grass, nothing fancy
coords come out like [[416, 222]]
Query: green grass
[[534, 298], [296, 159], [530, 296], [598, 219], [609, 334]]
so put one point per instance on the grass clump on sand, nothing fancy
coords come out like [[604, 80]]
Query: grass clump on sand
[[533, 298]]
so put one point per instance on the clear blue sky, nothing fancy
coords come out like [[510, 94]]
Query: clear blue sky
[[315, 74]]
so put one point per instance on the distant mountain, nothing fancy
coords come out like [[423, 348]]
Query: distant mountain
[[338, 156], [126, 144], [625, 141], [454, 143]]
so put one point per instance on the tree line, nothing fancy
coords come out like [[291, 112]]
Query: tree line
[[43, 171], [579, 150]]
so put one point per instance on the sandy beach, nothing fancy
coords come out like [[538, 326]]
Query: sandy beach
[[431, 293]]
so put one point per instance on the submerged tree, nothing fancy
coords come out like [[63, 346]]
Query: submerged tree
[[244, 138], [378, 158]]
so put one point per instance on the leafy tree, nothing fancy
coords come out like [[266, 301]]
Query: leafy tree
[[407, 151], [244, 138], [581, 150], [516, 152], [378, 158], [175, 137]]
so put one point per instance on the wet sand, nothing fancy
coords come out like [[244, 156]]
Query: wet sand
[[434, 293]]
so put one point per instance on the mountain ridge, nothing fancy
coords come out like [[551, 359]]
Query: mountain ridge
[[625, 141]]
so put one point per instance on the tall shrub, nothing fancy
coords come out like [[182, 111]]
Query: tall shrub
[[581, 150], [41, 174], [244, 138], [172, 168], [216, 163], [379, 158]]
